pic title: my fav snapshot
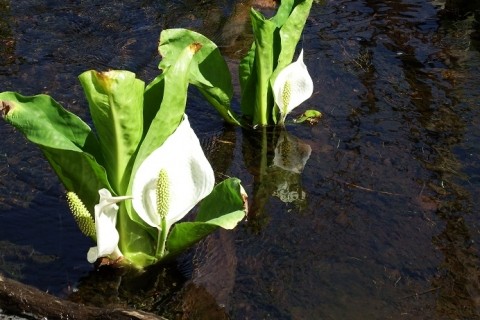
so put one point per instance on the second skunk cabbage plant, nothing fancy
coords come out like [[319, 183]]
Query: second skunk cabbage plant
[[139, 170], [268, 77], [270, 58]]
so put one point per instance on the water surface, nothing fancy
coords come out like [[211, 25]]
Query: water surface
[[380, 222]]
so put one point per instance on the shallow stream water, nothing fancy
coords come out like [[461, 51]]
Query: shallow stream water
[[376, 219]]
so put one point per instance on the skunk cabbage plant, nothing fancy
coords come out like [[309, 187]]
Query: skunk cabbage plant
[[270, 57], [272, 51], [139, 170]]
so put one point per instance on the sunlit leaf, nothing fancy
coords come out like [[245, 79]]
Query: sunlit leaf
[[209, 71], [67, 142], [223, 208], [116, 105]]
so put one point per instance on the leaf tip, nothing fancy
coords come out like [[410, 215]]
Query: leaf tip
[[244, 195], [5, 108], [195, 47]]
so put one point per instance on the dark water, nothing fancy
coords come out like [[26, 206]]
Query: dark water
[[381, 223]]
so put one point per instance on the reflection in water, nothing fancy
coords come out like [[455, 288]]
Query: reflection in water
[[7, 40], [439, 127], [227, 24], [291, 153], [276, 160], [459, 280], [391, 226]]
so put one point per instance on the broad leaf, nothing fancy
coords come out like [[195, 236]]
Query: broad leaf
[[164, 107], [290, 32], [67, 142], [223, 208], [209, 71], [264, 31], [248, 81], [116, 106]]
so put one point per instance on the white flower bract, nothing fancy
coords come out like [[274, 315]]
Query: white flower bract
[[190, 177], [292, 86], [105, 226]]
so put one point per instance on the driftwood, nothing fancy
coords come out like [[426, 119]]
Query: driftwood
[[26, 301]]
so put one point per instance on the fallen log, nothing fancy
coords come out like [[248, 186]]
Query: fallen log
[[25, 301]]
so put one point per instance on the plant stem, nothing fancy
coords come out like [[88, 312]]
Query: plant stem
[[162, 239]]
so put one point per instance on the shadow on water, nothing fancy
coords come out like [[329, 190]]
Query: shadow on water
[[370, 214]]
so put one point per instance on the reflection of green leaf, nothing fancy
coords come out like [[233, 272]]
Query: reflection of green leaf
[[223, 208], [67, 142], [209, 72]]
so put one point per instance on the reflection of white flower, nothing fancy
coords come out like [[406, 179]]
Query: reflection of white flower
[[105, 227], [291, 153], [185, 174], [287, 193], [291, 156], [292, 86]]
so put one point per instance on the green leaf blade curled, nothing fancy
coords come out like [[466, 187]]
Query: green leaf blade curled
[[265, 32], [248, 80], [209, 71], [116, 105], [223, 208], [174, 85], [67, 142], [165, 102]]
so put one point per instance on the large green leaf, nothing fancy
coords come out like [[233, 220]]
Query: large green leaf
[[290, 32], [67, 142], [223, 208], [248, 83], [152, 100], [137, 241], [174, 85], [165, 101], [116, 105], [264, 31], [209, 71]]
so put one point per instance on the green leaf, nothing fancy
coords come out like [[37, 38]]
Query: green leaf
[[66, 141], [290, 32], [209, 71], [311, 116], [116, 105], [174, 85], [248, 82], [164, 107], [223, 208], [264, 31], [152, 100], [166, 97], [137, 241]]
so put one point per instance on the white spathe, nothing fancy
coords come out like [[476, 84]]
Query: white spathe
[[190, 177], [105, 227], [292, 86]]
